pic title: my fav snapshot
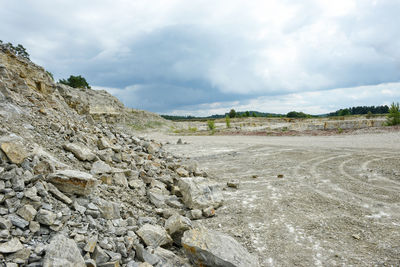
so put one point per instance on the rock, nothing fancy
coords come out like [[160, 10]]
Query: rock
[[100, 167], [45, 217], [120, 179], [58, 194], [168, 258], [62, 252], [209, 212], [176, 225], [199, 193], [80, 151], [234, 183], [196, 214], [15, 152], [156, 197], [73, 182], [146, 255], [109, 210], [11, 246], [27, 212], [179, 142], [34, 226], [182, 172], [91, 244], [5, 223], [18, 221], [211, 248], [103, 143], [100, 256], [154, 235]]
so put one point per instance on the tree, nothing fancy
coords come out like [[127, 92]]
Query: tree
[[253, 114], [75, 82], [19, 50], [228, 121], [232, 113], [344, 112], [247, 114], [393, 118]]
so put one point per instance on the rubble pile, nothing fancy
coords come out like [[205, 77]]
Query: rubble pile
[[77, 190]]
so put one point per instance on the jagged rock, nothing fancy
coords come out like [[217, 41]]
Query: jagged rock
[[58, 194], [168, 258], [27, 212], [146, 255], [100, 167], [80, 151], [109, 210], [15, 152], [5, 223], [200, 193], [196, 214], [73, 182], [63, 252], [234, 183], [120, 179], [45, 217], [209, 212], [182, 172], [103, 143], [211, 248], [154, 235], [176, 225], [91, 244], [18, 221], [11, 246]]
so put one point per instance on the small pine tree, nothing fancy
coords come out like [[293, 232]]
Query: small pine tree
[[75, 82], [393, 118]]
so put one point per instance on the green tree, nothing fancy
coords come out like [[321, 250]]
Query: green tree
[[253, 114], [228, 121], [232, 113], [75, 82], [393, 118], [344, 112]]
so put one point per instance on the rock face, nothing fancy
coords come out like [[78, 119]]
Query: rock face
[[211, 248], [73, 182], [199, 193], [63, 252]]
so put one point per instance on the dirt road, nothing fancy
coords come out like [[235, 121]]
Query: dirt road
[[338, 202]]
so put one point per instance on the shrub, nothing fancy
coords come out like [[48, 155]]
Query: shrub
[[228, 121], [76, 82], [232, 113], [369, 115], [211, 126], [192, 129], [393, 118]]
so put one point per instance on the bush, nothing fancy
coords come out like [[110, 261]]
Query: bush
[[232, 113], [211, 125], [76, 82], [393, 118], [228, 121]]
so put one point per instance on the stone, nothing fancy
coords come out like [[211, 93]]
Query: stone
[[176, 225], [63, 252], [34, 226], [120, 179], [100, 167], [103, 143], [58, 194], [211, 248], [156, 197], [209, 212], [18, 183], [21, 256], [5, 223], [27, 212], [146, 256], [168, 258], [80, 151], [179, 142], [91, 244], [182, 172], [234, 183], [18, 221], [109, 210], [100, 256], [11, 246], [154, 235], [15, 152], [45, 217], [73, 182], [200, 193], [109, 264]]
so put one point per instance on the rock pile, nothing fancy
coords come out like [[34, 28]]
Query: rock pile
[[75, 191]]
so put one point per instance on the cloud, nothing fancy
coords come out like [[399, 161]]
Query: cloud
[[165, 56]]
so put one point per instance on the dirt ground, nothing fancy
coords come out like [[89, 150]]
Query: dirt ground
[[338, 202]]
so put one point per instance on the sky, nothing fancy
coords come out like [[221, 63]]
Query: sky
[[202, 57]]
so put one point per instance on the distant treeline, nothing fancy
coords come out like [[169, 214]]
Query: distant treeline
[[360, 110], [236, 114]]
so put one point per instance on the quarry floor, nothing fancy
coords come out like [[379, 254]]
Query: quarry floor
[[338, 202]]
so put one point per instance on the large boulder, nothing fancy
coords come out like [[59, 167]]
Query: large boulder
[[154, 235], [200, 193], [63, 252], [80, 151], [15, 152], [73, 182], [211, 248]]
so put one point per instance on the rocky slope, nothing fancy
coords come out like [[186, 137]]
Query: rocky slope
[[78, 189]]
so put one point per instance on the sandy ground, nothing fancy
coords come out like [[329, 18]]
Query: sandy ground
[[338, 202]]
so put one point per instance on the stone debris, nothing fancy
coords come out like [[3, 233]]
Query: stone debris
[[211, 248], [78, 188], [234, 183]]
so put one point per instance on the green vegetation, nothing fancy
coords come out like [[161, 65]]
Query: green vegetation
[[19, 50], [360, 110], [75, 82], [228, 121], [369, 115], [232, 113], [295, 114], [147, 125], [50, 74], [192, 129], [211, 126], [393, 118]]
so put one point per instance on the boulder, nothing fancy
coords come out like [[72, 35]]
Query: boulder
[[200, 193], [15, 152], [100, 167], [154, 235], [80, 151], [11, 246], [46, 217], [63, 252], [210, 248], [176, 225], [73, 182]]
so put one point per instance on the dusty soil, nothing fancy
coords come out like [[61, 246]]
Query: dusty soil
[[338, 202]]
